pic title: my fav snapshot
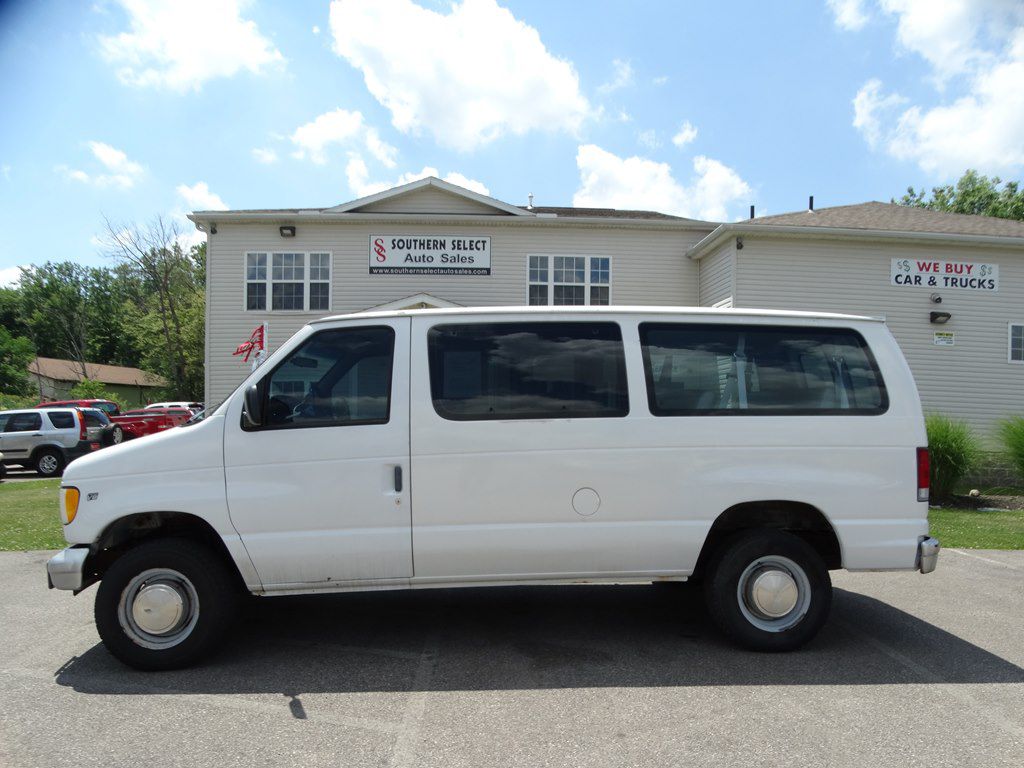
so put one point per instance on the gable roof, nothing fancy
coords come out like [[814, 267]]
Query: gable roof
[[382, 207], [884, 221], [896, 218], [429, 181], [69, 370]]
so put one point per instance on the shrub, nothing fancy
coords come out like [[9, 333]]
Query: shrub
[[12, 402], [88, 389], [954, 451], [1011, 432]]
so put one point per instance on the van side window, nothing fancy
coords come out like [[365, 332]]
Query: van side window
[[527, 370], [337, 377], [64, 420], [699, 369]]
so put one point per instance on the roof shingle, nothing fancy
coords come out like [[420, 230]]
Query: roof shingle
[[69, 370]]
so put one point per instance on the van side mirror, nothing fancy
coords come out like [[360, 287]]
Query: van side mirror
[[252, 416]]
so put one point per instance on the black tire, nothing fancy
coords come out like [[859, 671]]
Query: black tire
[[49, 462], [214, 592], [736, 611], [115, 435]]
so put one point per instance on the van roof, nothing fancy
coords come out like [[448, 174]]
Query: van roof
[[702, 312]]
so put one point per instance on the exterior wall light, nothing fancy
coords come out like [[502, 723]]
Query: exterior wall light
[[939, 318], [287, 231]]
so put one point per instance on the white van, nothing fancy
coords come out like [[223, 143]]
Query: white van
[[753, 450]]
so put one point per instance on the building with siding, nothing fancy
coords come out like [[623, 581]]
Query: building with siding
[[53, 379], [431, 243]]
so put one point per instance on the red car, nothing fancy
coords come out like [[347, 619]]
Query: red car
[[149, 421], [107, 406]]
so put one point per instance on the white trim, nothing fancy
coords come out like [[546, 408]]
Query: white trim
[[430, 181], [269, 281], [418, 298], [1009, 342], [586, 278], [724, 231]]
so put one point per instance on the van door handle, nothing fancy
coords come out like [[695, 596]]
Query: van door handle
[[398, 479]]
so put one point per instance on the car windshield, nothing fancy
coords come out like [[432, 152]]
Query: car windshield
[[94, 417]]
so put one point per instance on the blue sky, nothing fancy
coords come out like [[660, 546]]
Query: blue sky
[[127, 110]]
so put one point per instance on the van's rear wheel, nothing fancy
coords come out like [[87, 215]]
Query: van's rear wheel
[[165, 604], [768, 590]]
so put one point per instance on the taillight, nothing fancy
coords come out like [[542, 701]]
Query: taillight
[[923, 474], [82, 434]]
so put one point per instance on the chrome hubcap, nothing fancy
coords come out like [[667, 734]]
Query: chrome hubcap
[[118, 436], [159, 608], [48, 464], [774, 593]]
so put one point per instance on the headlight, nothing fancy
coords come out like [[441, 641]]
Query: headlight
[[69, 497]]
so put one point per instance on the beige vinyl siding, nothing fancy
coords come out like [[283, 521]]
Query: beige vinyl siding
[[429, 200], [971, 380], [717, 273], [649, 267]]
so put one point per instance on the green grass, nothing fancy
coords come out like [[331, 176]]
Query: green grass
[[29, 516], [971, 529]]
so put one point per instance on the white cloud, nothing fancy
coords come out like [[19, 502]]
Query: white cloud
[[198, 197], [622, 76], [467, 77], [264, 155], [623, 116], [649, 139], [6, 170], [976, 52], [660, 80], [341, 128], [607, 180], [118, 170], [687, 133], [180, 44], [316, 30], [849, 14], [358, 176], [10, 276]]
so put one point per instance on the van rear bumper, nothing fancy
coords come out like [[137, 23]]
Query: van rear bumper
[[927, 554]]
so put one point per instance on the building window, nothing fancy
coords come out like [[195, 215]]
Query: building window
[[570, 280], [1017, 342], [284, 277]]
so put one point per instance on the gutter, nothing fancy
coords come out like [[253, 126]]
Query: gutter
[[724, 231], [204, 219]]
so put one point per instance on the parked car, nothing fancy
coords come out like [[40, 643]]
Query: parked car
[[3, 468], [148, 421], [752, 450], [46, 440], [109, 407], [99, 427], [194, 407]]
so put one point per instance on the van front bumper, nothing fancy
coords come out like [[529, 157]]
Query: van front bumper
[[927, 554], [66, 569]]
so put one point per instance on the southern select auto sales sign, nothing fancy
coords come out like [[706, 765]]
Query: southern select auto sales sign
[[927, 273], [430, 255]]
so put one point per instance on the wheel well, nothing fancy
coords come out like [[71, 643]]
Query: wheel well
[[127, 532], [800, 519], [47, 447]]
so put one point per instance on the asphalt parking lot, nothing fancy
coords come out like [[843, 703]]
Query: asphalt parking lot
[[911, 671]]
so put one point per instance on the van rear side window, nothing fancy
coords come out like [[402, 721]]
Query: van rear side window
[[527, 371], [705, 370]]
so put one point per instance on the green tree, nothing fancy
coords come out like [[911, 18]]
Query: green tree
[[168, 322], [90, 389], [11, 314], [973, 193], [56, 307], [16, 353]]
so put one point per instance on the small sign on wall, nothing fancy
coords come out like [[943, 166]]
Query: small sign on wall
[[926, 273], [944, 338], [430, 255]]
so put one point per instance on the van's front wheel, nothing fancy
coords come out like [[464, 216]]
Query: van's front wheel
[[768, 590], [164, 604]]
